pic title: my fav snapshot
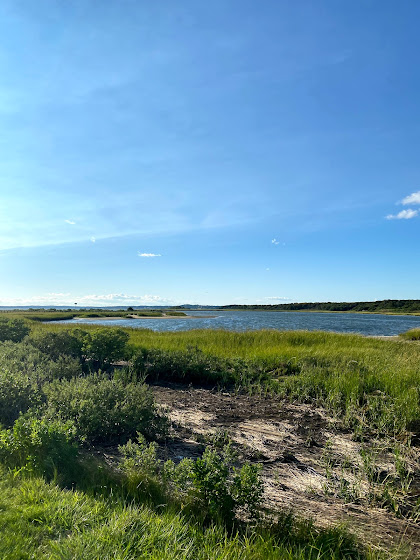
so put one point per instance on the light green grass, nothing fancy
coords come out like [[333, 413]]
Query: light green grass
[[40, 521]]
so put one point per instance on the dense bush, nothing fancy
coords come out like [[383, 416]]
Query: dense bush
[[104, 346], [103, 410], [13, 329], [18, 393], [194, 366], [39, 447], [211, 485], [23, 358], [61, 343]]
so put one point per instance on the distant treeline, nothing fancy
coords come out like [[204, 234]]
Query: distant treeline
[[383, 306]]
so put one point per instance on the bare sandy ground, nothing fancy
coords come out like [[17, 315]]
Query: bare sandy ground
[[291, 441]]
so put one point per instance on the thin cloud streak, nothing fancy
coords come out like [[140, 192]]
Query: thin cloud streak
[[148, 255]]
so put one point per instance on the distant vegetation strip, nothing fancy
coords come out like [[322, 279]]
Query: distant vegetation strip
[[383, 306], [52, 315]]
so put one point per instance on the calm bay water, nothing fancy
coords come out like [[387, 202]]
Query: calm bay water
[[385, 325]]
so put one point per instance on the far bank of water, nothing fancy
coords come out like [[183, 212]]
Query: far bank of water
[[366, 324]]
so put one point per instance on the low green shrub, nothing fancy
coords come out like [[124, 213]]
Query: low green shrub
[[18, 393], [194, 366], [104, 411], [210, 485], [104, 346], [24, 359], [46, 316], [412, 334], [39, 446], [14, 330], [60, 343]]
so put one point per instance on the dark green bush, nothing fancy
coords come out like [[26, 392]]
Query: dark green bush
[[103, 410], [104, 346], [61, 343], [39, 447], [185, 367], [18, 393], [23, 358], [211, 485], [13, 329]]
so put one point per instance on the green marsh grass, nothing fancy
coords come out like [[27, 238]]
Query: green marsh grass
[[372, 383], [39, 520]]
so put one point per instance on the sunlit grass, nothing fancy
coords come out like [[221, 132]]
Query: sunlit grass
[[364, 379], [39, 520]]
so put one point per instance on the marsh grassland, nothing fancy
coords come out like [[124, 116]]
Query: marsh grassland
[[128, 443]]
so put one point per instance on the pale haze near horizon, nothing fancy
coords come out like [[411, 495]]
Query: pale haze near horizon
[[214, 153]]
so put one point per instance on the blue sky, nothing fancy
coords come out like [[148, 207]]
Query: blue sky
[[209, 152]]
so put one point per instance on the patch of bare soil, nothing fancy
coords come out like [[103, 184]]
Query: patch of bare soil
[[302, 451]]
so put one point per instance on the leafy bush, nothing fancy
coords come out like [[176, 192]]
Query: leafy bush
[[61, 343], [103, 410], [194, 366], [13, 329], [105, 346], [39, 446], [18, 393], [22, 358], [210, 484]]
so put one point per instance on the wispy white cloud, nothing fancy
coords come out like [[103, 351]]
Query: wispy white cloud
[[148, 255], [70, 222], [403, 215], [275, 242], [277, 298], [413, 198], [52, 299], [93, 239]]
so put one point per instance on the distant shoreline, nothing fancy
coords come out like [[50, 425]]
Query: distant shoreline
[[135, 317]]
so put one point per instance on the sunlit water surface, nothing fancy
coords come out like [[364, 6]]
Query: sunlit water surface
[[385, 325]]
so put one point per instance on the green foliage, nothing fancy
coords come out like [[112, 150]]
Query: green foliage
[[103, 410], [39, 447], [56, 344], [222, 489], [44, 316], [194, 366], [14, 330], [412, 334], [24, 359], [18, 393], [39, 520], [104, 346], [382, 306], [210, 484]]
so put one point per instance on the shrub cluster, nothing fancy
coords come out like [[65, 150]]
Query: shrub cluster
[[103, 410], [210, 485], [196, 367], [13, 329], [39, 446]]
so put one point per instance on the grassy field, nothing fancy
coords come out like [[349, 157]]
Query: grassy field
[[367, 381], [61, 394], [39, 520]]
